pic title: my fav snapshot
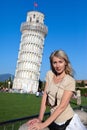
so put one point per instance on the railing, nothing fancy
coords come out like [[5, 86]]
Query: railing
[[15, 123]]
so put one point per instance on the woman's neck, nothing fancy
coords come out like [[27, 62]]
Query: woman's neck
[[57, 78]]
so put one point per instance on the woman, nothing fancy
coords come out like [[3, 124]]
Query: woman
[[59, 89]]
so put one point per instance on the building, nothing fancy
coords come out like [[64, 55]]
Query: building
[[30, 53]]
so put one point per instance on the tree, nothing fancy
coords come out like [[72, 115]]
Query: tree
[[82, 83], [41, 86]]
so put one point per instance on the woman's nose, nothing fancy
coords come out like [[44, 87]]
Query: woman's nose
[[57, 64]]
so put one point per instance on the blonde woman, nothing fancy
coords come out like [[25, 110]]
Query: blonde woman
[[59, 89]]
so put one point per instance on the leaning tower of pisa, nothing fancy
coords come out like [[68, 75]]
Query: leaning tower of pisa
[[27, 72]]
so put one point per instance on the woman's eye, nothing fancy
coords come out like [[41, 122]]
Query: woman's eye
[[54, 62], [61, 61]]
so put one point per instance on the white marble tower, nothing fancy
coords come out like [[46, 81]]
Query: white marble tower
[[30, 53]]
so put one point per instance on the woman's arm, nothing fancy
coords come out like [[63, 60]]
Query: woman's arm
[[43, 104], [42, 109]]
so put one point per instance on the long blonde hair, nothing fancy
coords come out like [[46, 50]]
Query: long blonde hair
[[61, 54]]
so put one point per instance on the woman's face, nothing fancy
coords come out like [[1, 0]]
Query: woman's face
[[58, 64]]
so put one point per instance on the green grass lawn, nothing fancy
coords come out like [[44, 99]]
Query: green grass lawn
[[14, 105]]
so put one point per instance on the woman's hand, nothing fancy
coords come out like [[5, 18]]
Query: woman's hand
[[36, 126], [31, 122]]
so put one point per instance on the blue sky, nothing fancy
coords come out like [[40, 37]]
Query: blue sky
[[67, 30]]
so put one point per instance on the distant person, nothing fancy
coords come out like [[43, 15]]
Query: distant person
[[78, 97], [59, 89]]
